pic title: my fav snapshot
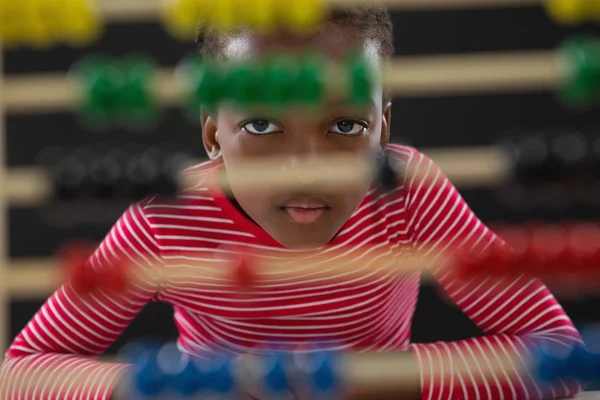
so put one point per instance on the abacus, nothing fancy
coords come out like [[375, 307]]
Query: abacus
[[574, 72]]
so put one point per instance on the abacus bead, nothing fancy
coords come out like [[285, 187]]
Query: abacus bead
[[104, 175], [310, 84], [550, 367], [276, 379], [548, 246], [136, 102], [242, 84], [113, 277], [148, 378], [223, 379], [73, 258], [244, 273], [80, 22], [582, 85], [142, 173], [225, 14], [70, 179], [211, 86], [566, 11], [279, 83], [181, 17], [531, 156], [304, 16], [34, 31], [360, 81], [324, 377], [102, 83], [583, 245], [261, 16], [585, 365]]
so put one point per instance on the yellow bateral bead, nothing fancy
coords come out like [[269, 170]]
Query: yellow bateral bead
[[33, 31], [10, 22], [181, 17], [592, 10], [303, 16], [566, 11], [261, 15], [81, 22], [225, 14]]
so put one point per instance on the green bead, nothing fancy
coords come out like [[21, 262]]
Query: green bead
[[189, 73], [101, 83], [210, 87], [243, 85], [582, 84], [310, 84], [361, 82], [137, 104], [280, 83]]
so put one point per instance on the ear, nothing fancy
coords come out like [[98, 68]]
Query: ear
[[385, 125], [210, 137]]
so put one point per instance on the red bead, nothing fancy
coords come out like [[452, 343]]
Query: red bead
[[583, 244], [73, 258], [113, 277], [548, 247], [244, 271]]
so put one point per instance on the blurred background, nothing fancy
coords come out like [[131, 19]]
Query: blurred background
[[421, 122]]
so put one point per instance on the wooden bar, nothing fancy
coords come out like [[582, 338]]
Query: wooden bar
[[475, 167], [4, 295], [406, 77]]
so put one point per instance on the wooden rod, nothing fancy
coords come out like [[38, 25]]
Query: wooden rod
[[406, 77], [150, 10], [476, 167], [28, 278], [4, 295]]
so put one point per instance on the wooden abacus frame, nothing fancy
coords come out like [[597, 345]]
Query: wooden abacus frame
[[415, 77]]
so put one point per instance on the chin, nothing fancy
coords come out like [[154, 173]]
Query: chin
[[304, 240]]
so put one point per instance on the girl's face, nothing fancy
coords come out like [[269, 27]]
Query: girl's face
[[303, 218]]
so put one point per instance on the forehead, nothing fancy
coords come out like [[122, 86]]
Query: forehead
[[332, 41]]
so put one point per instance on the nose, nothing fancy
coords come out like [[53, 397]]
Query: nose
[[305, 159]]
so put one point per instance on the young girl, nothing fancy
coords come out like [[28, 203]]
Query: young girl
[[204, 226]]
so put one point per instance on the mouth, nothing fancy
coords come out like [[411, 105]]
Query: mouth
[[305, 210]]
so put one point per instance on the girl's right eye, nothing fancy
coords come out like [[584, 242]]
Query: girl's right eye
[[261, 127]]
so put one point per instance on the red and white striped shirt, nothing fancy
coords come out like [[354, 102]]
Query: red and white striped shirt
[[362, 313]]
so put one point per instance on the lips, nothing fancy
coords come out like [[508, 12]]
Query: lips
[[307, 210]]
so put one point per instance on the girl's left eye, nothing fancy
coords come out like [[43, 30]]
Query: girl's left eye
[[349, 128]]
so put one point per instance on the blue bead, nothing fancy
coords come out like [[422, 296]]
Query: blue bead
[[148, 379], [191, 380], [325, 377], [223, 381], [276, 380], [585, 366], [550, 367]]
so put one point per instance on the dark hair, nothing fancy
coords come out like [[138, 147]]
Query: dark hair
[[375, 22]]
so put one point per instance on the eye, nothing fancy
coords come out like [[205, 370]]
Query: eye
[[348, 127], [261, 127]]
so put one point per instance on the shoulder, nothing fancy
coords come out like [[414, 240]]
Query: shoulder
[[405, 155], [197, 191]]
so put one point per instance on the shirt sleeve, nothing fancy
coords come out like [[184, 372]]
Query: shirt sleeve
[[513, 312], [53, 357]]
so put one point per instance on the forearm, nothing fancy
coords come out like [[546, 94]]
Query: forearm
[[63, 376], [489, 367]]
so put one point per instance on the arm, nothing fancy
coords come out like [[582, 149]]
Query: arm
[[513, 313], [52, 358]]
